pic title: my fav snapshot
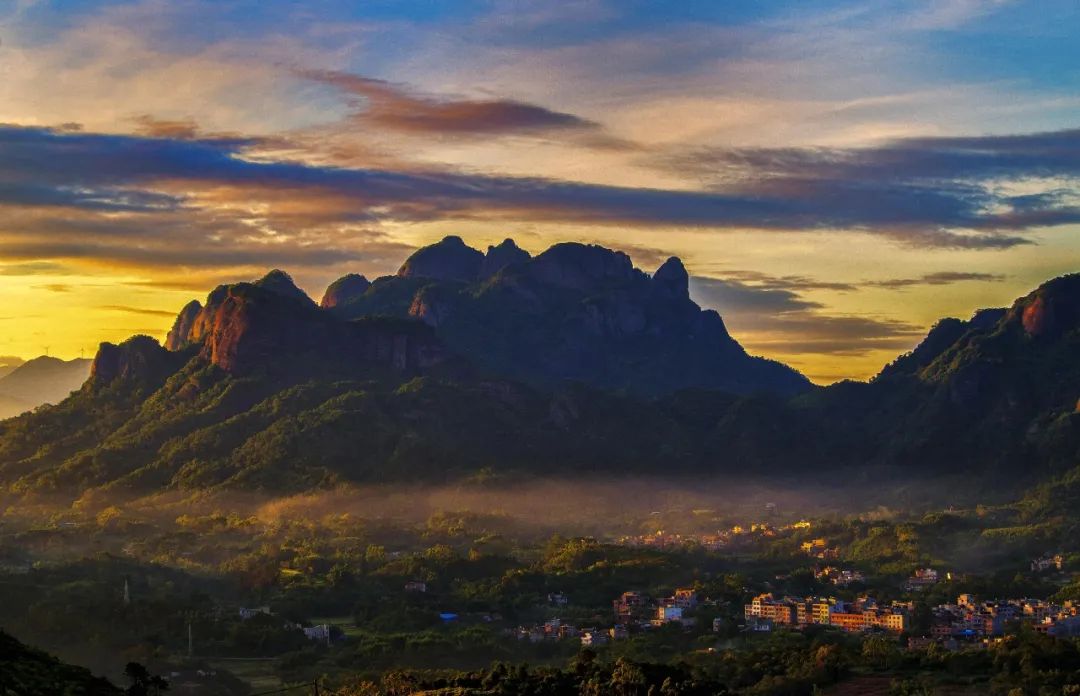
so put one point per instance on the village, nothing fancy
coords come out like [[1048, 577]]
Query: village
[[968, 618]]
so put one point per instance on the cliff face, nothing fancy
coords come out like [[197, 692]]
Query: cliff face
[[138, 359], [1052, 311], [183, 328], [264, 326]]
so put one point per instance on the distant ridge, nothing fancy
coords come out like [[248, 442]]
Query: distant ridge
[[43, 380]]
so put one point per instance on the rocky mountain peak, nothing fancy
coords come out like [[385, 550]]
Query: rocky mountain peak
[[280, 282], [449, 259], [138, 358], [1052, 309], [583, 266], [501, 256], [344, 290], [672, 280]]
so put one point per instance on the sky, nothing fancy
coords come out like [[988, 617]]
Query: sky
[[836, 176]]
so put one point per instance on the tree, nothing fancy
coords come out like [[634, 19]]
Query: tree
[[627, 679], [142, 682], [879, 652]]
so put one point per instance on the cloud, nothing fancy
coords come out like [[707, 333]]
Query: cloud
[[152, 127], [273, 202], [55, 287], [939, 278], [948, 14], [734, 297], [787, 282], [830, 334], [31, 268], [391, 107], [943, 191], [139, 310]]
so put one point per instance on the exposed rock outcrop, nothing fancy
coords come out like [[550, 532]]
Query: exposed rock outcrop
[[344, 290], [1051, 310], [248, 328], [140, 358], [180, 334]]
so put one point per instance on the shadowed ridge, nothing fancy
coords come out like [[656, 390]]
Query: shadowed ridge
[[449, 259]]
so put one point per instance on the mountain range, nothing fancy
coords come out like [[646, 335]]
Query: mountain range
[[571, 362]]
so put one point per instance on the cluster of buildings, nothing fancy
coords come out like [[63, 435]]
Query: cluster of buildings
[[663, 540], [1047, 562], [738, 535], [635, 609], [970, 618], [320, 633], [837, 576], [819, 548], [923, 578], [864, 614], [556, 629]]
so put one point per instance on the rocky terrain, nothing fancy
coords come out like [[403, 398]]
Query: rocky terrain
[[574, 312]]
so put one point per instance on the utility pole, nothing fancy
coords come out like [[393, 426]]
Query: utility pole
[[190, 639], [315, 686], [127, 593]]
